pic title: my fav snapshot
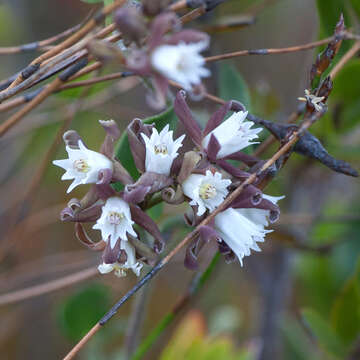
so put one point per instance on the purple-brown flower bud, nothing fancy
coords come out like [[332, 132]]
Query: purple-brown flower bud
[[131, 24]]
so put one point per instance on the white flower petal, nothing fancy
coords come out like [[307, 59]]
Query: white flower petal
[[83, 165], [161, 150], [105, 268], [181, 63], [115, 221], [207, 191], [233, 134], [241, 229]]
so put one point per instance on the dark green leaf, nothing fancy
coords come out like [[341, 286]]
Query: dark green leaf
[[345, 314], [232, 86], [356, 6], [345, 94], [329, 13], [324, 333], [82, 310]]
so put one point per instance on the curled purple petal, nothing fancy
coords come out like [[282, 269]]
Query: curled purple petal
[[112, 255], [112, 134], [191, 218], [187, 36], [111, 128], [172, 196], [250, 197], [91, 213], [90, 198], [183, 112], [145, 221], [104, 176], [191, 260], [137, 145], [67, 214], [249, 160], [160, 26], [155, 181], [232, 170], [74, 204], [206, 233], [71, 138], [136, 195], [104, 191], [121, 174], [217, 118], [85, 239], [213, 148]]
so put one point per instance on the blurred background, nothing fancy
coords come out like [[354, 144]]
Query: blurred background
[[297, 299]]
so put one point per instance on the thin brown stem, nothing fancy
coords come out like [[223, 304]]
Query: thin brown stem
[[31, 192], [273, 51], [30, 292], [96, 80], [90, 25], [177, 6], [344, 60], [43, 44], [82, 342]]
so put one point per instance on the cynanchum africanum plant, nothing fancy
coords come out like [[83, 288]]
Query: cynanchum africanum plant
[[200, 174], [211, 168]]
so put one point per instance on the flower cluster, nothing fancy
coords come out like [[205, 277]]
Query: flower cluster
[[193, 167], [201, 176]]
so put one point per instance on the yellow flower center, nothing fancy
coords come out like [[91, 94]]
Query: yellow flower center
[[161, 149], [207, 191], [115, 218], [119, 270], [81, 165]]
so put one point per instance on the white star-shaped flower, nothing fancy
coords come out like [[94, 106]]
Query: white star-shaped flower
[[83, 165], [233, 134], [115, 221], [181, 63], [316, 101], [120, 270], [161, 150], [207, 191], [241, 229]]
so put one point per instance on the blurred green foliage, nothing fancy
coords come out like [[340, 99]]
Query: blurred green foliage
[[81, 311]]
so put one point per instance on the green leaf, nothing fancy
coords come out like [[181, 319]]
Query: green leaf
[[156, 211], [232, 85], [80, 312], [329, 12], [356, 6], [324, 333], [345, 314], [345, 92], [297, 343], [123, 152]]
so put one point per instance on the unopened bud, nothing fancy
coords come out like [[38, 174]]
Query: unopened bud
[[154, 7], [130, 23]]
